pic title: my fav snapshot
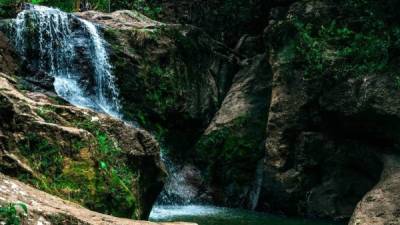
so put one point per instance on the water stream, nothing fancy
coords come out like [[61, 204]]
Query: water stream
[[54, 42]]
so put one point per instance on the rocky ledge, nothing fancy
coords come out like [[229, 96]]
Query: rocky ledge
[[45, 209], [77, 154]]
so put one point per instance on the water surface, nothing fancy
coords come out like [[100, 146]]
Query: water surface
[[209, 215]]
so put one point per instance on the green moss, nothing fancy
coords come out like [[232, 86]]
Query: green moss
[[10, 215], [230, 154], [164, 93], [47, 113], [97, 176]]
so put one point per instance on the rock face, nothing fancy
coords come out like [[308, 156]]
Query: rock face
[[77, 154], [46, 209], [8, 9], [381, 205], [231, 148], [326, 134], [7, 57]]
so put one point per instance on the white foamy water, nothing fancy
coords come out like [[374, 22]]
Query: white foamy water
[[165, 212], [57, 55]]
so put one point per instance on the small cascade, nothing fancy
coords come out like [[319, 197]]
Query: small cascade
[[107, 92], [176, 190], [70, 50]]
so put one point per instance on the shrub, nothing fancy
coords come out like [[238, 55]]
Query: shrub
[[364, 41], [10, 215], [339, 50]]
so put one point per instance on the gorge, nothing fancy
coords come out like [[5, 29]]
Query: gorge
[[291, 118]]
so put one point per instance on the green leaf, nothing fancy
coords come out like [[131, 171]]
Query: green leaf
[[103, 165]]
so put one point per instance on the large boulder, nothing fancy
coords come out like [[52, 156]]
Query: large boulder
[[37, 207], [77, 154], [380, 206]]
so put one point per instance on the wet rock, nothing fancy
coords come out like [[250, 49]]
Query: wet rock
[[186, 185]]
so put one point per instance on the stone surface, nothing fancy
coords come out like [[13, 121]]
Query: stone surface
[[46, 209], [76, 153], [230, 151], [380, 206], [8, 57], [325, 137]]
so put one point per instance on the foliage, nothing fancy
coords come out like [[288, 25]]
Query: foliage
[[341, 51], [361, 44], [225, 20], [147, 7], [47, 113], [8, 8], [142, 6], [9, 2], [10, 214], [96, 175], [164, 97]]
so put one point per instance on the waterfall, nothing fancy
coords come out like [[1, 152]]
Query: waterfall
[[57, 42]]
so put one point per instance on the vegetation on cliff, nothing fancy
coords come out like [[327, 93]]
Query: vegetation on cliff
[[363, 40], [77, 154]]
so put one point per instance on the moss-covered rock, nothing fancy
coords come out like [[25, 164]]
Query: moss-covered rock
[[22, 204], [79, 155], [230, 152]]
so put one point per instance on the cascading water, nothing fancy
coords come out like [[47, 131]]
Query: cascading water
[[55, 42], [107, 92]]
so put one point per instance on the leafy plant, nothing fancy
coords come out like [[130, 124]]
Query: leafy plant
[[340, 50], [95, 175], [363, 43], [10, 214]]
